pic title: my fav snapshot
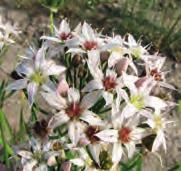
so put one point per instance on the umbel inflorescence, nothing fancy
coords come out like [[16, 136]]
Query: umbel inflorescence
[[101, 90]]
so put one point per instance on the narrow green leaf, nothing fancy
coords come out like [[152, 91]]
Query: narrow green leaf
[[22, 133], [6, 126], [6, 148]]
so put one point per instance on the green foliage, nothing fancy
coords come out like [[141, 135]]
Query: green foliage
[[134, 163], [176, 168], [6, 136], [53, 5], [22, 133], [3, 94], [179, 105]]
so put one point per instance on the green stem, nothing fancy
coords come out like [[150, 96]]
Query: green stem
[[51, 22]]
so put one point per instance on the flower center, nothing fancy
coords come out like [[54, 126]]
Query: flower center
[[90, 132], [37, 77], [158, 123], [157, 76], [41, 128], [124, 134], [89, 45], [138, 101], [38, 155], [65, 36], [136, 52], [109, 83], [56, 146], [74, 110]]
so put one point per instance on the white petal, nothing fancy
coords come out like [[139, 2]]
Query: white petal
[[137, 134], [91, 118], [92, 85], [62, 87], [73, 95], [88, 31], [108, 97], [51, 161], [25, 154], [166, 85], [49, 87], [40, 57], [94, 58], [51, 38], [94, 63], [54, 100], [122, 93], [75, 50], [90, 99], [111, 73], [95, 150], [31, 90], [129, 110], [50, 68], [160, 139], [131, 40], [113, 59], [155, 102], [42, 167], [151, 123], [29, 165], [79, 162], [109, 135], [117, 152], [132, 65], [129, 81], [73, 42], [132, 122], [24, 68], [17, 85], [64, 27], [74, 132], [131, 148], [58, 119]]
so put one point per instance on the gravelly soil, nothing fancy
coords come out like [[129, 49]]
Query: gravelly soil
[[33, 24]]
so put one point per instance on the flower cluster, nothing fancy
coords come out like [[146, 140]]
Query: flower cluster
[[101, 90], [6, 32]]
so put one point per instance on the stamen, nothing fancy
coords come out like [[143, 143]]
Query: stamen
[[90, 132], [65, 36], [109, 83], [90, 45], [124, 134], [74, 110]]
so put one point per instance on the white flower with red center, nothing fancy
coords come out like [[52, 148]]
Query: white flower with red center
[[35, 72], [88, 40], [153, 68], [73, 110], [140, 97], [94, 144], [107, 83], [159, 124], [63, 35], [123, 135]]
